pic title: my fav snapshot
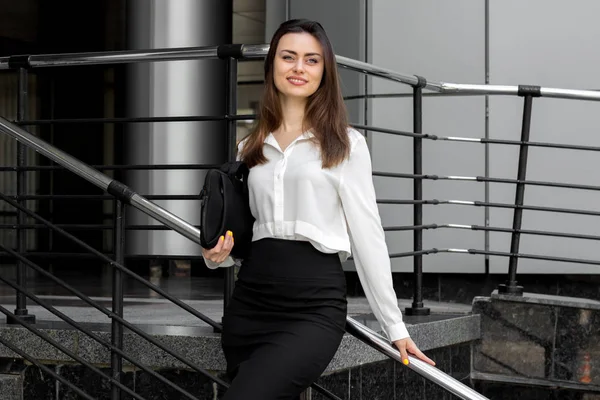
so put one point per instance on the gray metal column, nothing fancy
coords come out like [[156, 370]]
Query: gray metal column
[[174, 88]]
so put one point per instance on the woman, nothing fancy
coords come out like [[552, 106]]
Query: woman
[[312, 194]]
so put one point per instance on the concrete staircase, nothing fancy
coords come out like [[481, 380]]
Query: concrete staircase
[[356, 368]]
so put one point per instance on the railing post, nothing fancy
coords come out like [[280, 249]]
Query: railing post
[[231, 98], [22, 99], [511, 287], [116, 361], [417, 305]]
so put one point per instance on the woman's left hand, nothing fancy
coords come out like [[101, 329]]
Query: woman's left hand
[[408, 346]]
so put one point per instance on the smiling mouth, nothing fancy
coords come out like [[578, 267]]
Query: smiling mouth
[[297, 81]]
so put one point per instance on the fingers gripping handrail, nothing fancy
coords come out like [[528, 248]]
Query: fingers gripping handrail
[[100, 180], [429, 372]]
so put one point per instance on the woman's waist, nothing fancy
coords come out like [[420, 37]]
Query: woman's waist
[[326, 240], [295, 260]]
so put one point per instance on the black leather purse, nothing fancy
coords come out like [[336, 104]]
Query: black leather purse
[[225, 206]]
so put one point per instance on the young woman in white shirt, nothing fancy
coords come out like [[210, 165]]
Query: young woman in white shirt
[[312, 194]]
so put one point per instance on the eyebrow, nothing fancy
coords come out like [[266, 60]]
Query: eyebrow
[[307, 54]]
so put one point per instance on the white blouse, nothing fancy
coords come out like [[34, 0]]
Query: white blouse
[[293, 197]]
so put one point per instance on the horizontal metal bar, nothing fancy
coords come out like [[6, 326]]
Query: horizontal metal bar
[[462, 139], [401, 175], [90, 227], [135, 120], [533, 232], [534, 257], [83, 256], [539, 183], [493, 205], [456, 226], [537, 144], [492, 229], [570, 94], [514, 143], [113, 315], [45, 369], [98, 179], [113, 263], [69, 353], [473, 89], [120, 57], [54, 255], [97, 338], [476, 140], [428, 94], [402, 201], [103, 197], [524, 207], [40, 254], [413, 253], [504, 254], [115, 167], [484, 179], [427, 371], [249, 52], [391, 131], [409, 228], [408, 95]]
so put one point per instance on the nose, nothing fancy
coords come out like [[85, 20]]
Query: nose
[[299, 65]]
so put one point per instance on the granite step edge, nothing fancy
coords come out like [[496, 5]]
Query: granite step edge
[[11, 387], [205, 349]]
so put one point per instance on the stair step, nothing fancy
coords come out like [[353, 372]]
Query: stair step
[[11, 387]]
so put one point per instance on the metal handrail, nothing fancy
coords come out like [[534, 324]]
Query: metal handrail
[[258, 51], [429, 372]]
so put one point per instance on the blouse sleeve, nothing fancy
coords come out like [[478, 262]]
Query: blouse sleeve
[[369, 248], [229, 261]]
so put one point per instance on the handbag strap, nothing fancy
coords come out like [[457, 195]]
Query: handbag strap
[[238, 170], [235, 168]]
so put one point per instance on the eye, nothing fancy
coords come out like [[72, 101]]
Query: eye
[[287, 58], [313, 61]]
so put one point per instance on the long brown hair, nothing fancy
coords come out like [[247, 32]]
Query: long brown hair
[[325, 111]]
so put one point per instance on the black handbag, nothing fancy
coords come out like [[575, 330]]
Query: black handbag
[[225, 206]]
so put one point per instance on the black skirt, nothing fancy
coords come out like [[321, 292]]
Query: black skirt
[[285, 321]]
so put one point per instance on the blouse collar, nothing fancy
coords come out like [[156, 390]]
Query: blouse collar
[[270, 139]]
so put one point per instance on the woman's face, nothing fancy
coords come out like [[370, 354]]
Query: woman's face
[[298, 65]]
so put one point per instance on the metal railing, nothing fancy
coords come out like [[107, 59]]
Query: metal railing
[[235, 53], [125, 196], [232, 54]]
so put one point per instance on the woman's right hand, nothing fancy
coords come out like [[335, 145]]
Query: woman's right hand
[[221, 251]]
